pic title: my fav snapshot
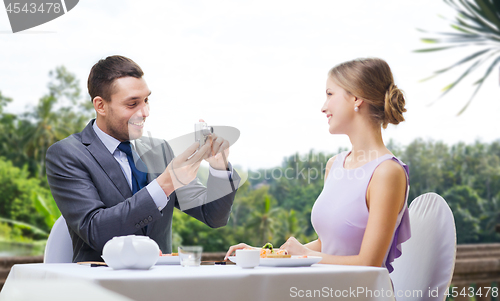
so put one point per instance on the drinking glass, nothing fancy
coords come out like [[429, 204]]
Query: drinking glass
[[190, 256]]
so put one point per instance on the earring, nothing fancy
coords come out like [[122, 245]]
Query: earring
[[356, 109]]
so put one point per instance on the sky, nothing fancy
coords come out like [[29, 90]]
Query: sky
[[257, 66]]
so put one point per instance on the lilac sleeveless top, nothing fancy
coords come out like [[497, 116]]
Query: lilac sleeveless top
[[339, 215]]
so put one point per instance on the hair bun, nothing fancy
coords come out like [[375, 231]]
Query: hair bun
[[371, 80], [394, 106]]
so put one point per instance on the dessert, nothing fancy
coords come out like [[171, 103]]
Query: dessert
[[268, 251]]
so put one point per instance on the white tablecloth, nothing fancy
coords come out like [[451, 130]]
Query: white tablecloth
[[219, 282]]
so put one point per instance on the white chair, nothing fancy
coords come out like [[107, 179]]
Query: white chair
[[59, 248], [428, 258]]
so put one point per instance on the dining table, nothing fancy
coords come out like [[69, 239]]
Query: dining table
[[208, 282]]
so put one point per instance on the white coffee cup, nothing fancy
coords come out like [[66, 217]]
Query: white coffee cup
[[247, 259]]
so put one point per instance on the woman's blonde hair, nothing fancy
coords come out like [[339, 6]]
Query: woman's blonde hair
[[371, 80]]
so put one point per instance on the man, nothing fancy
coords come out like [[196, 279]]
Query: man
[[106, 179]]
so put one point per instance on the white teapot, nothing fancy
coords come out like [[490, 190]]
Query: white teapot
[[131, 252]]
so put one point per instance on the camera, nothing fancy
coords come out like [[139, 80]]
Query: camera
[[201, 132]]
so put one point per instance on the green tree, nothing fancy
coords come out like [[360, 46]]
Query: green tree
[[476, 24], [467, 208], [241, 206], [429, 164], [11, 136], [294, 224], [491, 220], [264, 219], [189, 231], [27, 207], [55, 116], [21, 201]]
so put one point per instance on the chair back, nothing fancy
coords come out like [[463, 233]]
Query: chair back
[[425, 269], [59, 248]]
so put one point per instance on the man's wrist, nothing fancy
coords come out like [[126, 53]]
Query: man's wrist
[[165, 182], [221, 167], [221, 173], [157, 194]]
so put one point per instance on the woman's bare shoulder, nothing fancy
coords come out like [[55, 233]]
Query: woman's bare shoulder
[[329, 165], [390, 170], [388, 184], [330, 161]]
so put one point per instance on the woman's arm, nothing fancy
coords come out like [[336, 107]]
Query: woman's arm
[[385, 198], [314, 245]]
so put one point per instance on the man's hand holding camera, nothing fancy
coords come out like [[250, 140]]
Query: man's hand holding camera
[[219, 152], [183, 169], [219, 146]]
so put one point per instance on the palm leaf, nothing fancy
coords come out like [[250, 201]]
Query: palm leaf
[[496, 4], [451, 34], [485, 10], [472, 16], [465, 60], [477, 29], [469, 15], [459, 79], [447, 47], [429, 41], [457, 40], [35, 229], [478, 63], [49, 214], [267, 204], [477, 23], [435, 49], [480, 83], [458, 28]]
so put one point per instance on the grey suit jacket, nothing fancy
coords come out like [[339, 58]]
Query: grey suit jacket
[[94, 197]]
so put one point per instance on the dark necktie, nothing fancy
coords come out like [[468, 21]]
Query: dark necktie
[[139, 171]]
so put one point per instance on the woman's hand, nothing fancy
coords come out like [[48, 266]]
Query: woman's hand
[[294, 247], [237, 247]]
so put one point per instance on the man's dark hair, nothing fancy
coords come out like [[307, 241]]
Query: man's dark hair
[[104, 72]]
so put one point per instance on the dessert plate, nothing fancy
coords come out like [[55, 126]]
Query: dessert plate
[[294, 261]]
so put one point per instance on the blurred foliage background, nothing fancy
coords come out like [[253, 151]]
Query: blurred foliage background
[[272, 205]]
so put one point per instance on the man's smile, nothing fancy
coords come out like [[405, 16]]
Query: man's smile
[[138, 123]]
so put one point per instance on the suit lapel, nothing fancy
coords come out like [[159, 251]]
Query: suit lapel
[[142, 147], [149, 151], [105, 159]]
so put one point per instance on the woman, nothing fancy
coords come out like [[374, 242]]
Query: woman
[[361, 216]]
